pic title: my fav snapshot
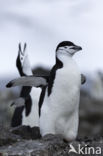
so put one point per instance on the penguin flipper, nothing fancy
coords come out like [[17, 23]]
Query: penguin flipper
[[18, 102], [28, 81], [22, 61], [83, 78]]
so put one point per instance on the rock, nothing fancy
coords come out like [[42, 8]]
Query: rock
[[7, 138], [26, 141], [26, 132], [49, 145]]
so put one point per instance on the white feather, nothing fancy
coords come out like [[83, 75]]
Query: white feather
[[33, 118], [59, 112]]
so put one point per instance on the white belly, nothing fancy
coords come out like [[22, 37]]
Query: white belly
[[58, 109], [33, 118], [66, 90]]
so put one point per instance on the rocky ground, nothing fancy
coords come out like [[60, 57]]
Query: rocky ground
[[50, 145], [23, 142]]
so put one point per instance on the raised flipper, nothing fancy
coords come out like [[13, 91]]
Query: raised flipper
[[83, 79], [22, 61], [28, 81], [34, 81]]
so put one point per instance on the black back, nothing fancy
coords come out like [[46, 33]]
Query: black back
[[25, 93], [19, 67], [51, 79], [42, 95], [28, 105], [17, 117], [57, 66]]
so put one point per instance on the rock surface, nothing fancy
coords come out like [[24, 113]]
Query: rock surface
[[26, 141], [7, 138], [49, 145]]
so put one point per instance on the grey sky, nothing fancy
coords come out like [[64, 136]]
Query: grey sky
[[43, 24]]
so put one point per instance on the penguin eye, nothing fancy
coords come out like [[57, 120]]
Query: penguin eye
[[65, 47]]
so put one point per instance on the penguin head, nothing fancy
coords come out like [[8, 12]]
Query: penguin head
[[67, 48]]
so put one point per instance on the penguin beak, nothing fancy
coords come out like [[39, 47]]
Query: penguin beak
[[77, 48]]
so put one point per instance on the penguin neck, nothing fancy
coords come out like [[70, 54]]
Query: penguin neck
[[59, 63], [63, 60]]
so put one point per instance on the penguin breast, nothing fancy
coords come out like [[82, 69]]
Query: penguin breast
[[66, 88]]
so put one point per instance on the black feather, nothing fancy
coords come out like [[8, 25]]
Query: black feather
[[57, 66]]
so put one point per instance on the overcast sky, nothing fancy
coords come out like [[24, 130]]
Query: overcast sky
[[43, 24]]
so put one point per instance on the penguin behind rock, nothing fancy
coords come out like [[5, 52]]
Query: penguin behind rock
[[26, 111], [60, 107]]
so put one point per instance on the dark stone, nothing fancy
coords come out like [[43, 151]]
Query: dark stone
[[7, 138], [26, 132], [49, 145]]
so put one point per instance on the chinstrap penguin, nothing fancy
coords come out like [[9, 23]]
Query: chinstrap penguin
[[59, 100], [60, 107], [26, 111]]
